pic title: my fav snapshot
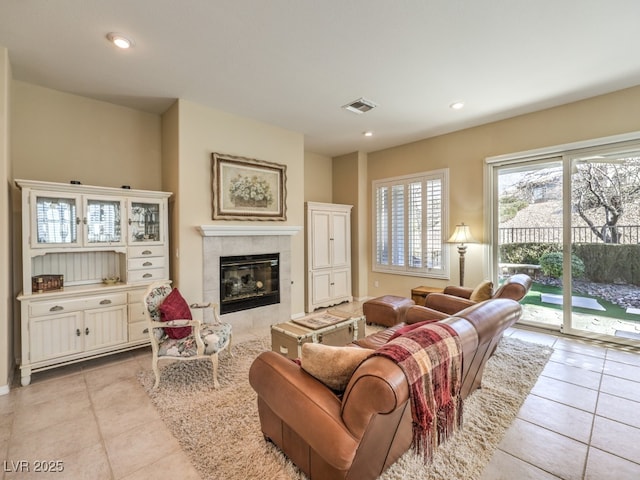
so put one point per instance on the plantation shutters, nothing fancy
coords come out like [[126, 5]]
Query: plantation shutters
[[397, 225], [409, 218]]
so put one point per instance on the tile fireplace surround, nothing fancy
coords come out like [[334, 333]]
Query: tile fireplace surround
[[248, 240]]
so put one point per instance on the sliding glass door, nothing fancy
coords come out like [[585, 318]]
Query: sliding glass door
[[529, 218], [604, 245], [572, 222]]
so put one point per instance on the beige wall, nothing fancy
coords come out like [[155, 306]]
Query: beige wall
[[6, 290], [203, 131], [58, 137], [318, 178], [345, 191], [171, 181], [464, 152]]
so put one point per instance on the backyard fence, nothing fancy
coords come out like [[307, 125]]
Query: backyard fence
[[627, 234]]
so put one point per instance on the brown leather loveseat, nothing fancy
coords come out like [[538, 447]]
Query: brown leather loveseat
[[358, 434]]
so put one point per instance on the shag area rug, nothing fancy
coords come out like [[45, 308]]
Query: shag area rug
[[220, 429]]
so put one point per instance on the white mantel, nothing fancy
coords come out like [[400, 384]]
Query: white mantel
[[242, 230]]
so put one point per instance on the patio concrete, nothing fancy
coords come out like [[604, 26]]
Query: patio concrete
[[582, 302]]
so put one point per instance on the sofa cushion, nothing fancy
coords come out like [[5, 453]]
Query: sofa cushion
[[333, 366], [175, 307], [482, 292]]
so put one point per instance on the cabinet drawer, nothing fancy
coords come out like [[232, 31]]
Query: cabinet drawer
[[135, 296], [150, 262], [146, 251], [75, 304], [136, 306], [147, 275], [106, 300], [138, 331]]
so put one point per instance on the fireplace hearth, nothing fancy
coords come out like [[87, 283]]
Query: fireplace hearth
[[249, 281]]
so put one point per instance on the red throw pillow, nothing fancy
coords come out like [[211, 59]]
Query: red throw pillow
[[407, 328], [175, 307]]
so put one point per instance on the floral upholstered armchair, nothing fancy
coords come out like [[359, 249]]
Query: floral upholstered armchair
[[175, 335]]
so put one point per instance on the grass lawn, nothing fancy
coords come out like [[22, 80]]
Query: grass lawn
[[612, 310]]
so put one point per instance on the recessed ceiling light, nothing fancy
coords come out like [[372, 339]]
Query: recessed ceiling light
[[457, 105], [368, 134], [120, 40]]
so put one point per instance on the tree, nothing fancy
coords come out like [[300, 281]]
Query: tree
[[602, 190]]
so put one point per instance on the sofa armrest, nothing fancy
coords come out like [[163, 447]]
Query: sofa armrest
[[378, 386], [305, 404], [462, 292], [515, 288], [419, 313], [449, 304]]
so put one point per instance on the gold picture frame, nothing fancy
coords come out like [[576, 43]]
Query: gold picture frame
[[247, 189]]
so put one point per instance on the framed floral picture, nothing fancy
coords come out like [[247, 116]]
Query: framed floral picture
[[247, 189]]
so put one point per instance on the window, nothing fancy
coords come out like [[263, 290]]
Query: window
[[409, 224]]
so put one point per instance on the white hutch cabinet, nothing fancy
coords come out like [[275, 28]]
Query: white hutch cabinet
[[328, 254], [105, 245]]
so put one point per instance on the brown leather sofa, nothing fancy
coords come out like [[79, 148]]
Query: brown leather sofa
[[358, 434], [454, 298]]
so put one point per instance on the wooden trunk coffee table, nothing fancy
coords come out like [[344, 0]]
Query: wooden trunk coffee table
[[328, 328]]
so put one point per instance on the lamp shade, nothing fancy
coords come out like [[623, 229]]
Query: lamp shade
[[462, 235]]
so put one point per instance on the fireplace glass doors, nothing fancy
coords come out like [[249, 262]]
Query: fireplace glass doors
[[249, 281]]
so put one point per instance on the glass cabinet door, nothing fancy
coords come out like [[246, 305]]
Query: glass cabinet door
[[145, 222], [56, 220], [103, 220]]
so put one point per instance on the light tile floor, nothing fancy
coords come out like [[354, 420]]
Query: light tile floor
[[581, 421]]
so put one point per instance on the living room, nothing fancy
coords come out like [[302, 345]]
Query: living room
[[56, 136]]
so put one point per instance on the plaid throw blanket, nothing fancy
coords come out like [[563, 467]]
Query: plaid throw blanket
[[431, 359]]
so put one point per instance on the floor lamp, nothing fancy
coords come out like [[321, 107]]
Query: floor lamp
[[462, 235]]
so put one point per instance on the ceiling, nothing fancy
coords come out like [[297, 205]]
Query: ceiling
[[295, 63]]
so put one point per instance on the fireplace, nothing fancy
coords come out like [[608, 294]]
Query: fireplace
[[249, 281], [254, 239]]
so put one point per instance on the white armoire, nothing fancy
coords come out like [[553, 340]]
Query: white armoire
[[328, 227]]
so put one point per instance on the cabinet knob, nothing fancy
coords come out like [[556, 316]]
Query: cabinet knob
[[56, 308], [86, 331], [106, 301], [147, 252], [147, 275], [84, 220], [147, 264], [130, 221], [77, 220], [77, 332]]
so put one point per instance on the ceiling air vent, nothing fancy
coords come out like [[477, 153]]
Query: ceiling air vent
[[359, 106]]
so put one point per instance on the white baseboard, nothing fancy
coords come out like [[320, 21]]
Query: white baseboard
[[4, 389], [363, 299]]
